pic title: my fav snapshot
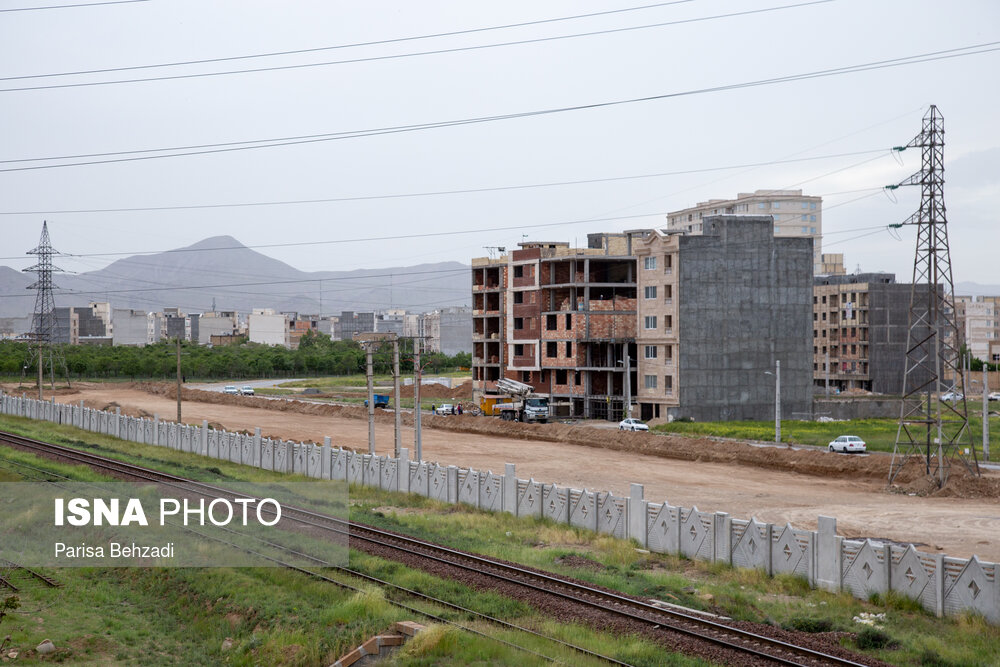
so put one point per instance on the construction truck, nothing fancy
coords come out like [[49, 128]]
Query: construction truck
[[516, 401]]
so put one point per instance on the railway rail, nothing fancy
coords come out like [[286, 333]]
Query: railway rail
[[741, 646]]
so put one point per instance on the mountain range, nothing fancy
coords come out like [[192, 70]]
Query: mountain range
[[223, 271]]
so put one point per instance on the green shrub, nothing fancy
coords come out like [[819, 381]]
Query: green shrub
[[809, 624], [872, 639]]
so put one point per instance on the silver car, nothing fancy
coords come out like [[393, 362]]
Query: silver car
[[631, 424]]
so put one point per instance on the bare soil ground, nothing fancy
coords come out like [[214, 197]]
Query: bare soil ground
[[773, 484]]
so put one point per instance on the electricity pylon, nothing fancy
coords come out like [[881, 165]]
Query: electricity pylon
[[43, 329], [930, 428]]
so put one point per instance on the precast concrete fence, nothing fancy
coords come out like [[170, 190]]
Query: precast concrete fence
[[943, 585]]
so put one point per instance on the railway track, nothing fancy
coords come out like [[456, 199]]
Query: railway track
[[731, 644]]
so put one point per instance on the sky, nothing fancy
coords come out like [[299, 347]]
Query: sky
[[651, 136]]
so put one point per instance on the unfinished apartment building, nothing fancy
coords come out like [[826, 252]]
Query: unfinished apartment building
[[860, 326], [558, 318]]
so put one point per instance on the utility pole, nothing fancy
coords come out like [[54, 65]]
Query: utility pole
[[777, 400], [371, 398], [43, 330], [930, 428], [986, 415], [417, 344], [826, 365], [628, 385], [395, 399], [178, 379]]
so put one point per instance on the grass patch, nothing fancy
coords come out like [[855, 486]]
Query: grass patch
[[742, 594], [878, 434]]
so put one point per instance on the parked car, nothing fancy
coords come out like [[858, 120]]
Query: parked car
[[848, 443], [445, 409], [952, 396], [230, 389], [631, 424], [993, 396], [246, 390]]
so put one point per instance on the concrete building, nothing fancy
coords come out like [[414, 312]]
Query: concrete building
[[715, 312], [14, 327], [217, 323], [269, 328], [860, 328], [978, 320], [351, 322], [560, 319], [831, 264], [131, 327], [795, 215], [76, 324], [448, 330], [390, 322]]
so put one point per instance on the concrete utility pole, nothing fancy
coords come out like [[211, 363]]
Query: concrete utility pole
[[178, 379], [395, 399], [628, 385], [371, 398], [826, 365], [40, 353], [417, 344], [986, 415], [777, 400]]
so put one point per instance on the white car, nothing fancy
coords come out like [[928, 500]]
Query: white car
[[246, 390], [230, 389], [952, 396], [993, 396], [446, 409], [632, 425], [848, 443]]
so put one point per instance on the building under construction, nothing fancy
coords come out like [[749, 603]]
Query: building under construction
[[561, 319]]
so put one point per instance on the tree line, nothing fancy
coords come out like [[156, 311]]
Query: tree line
[[316, 355]]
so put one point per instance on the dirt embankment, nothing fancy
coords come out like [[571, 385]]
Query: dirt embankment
[[806, 461]]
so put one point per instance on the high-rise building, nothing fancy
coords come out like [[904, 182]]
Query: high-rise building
[[715, 311], [795, 215], [978, 319]]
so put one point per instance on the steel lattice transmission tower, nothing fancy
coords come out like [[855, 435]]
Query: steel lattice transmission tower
[[929, 428], [43, 330]]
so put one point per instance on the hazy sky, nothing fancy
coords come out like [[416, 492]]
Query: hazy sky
[[814, 118]]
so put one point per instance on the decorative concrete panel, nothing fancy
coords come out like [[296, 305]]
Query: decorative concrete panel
[[583, 509], [555, 503], [389, 479], [529, 498], [299, 458], [267, 454], [662, 524], [913, 577], [246, 450], [373, 470], [132, 430], [438, 487], [420, 479], [314, 461], [864, 568], [185, 439], [491, 491], [750, 543], [213, 444], [280, 456], [695, 534], [147, 431], [468, 487], [355, 468], [611, 514], [971, 585], [338, 463], [791, 551]]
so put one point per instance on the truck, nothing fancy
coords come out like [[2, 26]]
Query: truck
[[516, 401], [381, 400]]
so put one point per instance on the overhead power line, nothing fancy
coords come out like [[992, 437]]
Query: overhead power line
[[432, 52], [204, 149], [433, 193], [87, 4], [292, 52]]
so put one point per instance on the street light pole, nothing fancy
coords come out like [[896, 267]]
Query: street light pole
[[178, 379], [777, 400]]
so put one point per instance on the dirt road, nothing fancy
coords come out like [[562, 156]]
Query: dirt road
[[959, 527]]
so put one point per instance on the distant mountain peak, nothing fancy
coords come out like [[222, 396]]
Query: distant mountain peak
[[215, 243]]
